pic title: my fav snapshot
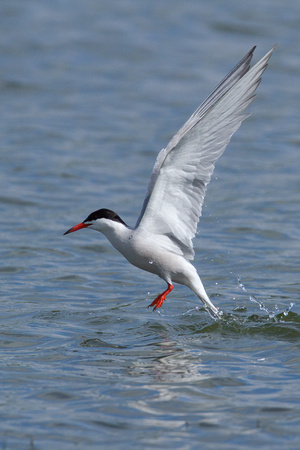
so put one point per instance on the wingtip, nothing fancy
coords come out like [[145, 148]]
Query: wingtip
[[254, 47], [271, 50]]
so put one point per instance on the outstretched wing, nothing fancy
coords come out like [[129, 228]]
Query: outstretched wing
[[183, 169]]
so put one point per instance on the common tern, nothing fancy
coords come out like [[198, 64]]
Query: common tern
[[161, 241]]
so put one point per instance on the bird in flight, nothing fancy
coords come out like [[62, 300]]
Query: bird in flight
[[162, 240]]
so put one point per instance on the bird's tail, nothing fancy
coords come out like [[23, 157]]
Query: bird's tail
[[197, 287]]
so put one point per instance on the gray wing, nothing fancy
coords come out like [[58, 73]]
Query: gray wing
[[182, 170], [234, 75]]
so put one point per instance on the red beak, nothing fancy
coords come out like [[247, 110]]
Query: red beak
[[78, 227]]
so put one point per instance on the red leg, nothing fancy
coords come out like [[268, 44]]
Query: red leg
[[157, 303]]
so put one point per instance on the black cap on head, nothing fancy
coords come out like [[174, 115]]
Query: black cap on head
[[104, 214]]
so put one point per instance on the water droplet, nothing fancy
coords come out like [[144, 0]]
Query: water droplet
[[150, 262], [130, 237]]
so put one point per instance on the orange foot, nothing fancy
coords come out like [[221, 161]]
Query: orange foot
[[157, 303]]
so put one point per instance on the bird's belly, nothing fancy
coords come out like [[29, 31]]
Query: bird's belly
[[152, 256], [156, 260], [142, 254], [145, 260]]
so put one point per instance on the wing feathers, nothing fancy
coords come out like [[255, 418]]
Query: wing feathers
[[177, 186], [234, 75]]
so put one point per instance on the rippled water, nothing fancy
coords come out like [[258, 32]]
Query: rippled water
[[90, 92]]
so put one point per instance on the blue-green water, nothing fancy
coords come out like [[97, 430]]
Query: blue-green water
[[90, 92]]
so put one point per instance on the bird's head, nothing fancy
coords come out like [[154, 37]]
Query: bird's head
[[98, 220]]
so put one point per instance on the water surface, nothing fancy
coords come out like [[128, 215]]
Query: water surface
[[90, 92]]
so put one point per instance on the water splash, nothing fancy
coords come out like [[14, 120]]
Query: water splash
[[271, 314]]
